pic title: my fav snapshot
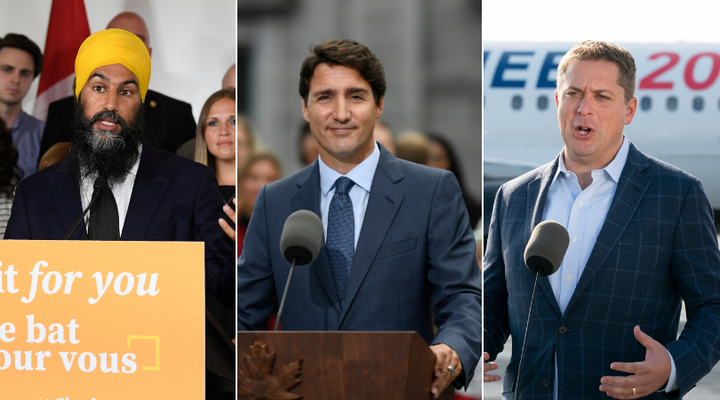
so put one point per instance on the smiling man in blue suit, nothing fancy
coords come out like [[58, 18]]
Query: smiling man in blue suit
[[398, 243], [642, 241]]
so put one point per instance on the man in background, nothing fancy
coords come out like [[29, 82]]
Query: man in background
[[168, 122], [21, 61]]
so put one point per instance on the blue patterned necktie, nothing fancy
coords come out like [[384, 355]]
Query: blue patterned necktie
[[341, 235]]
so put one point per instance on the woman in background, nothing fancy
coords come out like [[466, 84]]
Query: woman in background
[[216, 137], [261, 169], [442, 155]]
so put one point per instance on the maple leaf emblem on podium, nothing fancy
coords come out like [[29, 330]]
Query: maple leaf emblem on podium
[[260, 384]]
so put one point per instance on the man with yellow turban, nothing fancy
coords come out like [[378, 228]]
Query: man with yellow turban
[[132, 190], [169, 122]]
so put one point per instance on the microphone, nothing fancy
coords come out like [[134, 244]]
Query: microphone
[[546, 248], [300, 245], [96, 191], [543, 255]]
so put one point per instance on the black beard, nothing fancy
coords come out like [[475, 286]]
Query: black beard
[[112, 157]]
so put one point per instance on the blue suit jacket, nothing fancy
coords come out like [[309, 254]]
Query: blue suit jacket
[[173, 199], [657, 246], [415, 254]]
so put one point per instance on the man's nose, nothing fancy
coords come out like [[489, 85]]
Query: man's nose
[[341, 111], [586, 105], [111, 102]]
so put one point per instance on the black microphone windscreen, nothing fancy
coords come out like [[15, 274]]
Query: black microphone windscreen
[[301, 237], [547, 246]]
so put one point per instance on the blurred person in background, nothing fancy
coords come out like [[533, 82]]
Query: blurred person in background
[[9, 174], [228, 81], [215, 140], [56, 153], [259, 170], [443, 156], [307, 144], [21, 61], [187, 149], [414, 147], [384, 135]]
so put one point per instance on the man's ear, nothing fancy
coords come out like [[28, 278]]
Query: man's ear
[[305, 113]]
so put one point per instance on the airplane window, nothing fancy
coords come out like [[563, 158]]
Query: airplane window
[[698, 103], [542, 102], [646, 103], [672, 103], [517, 102]]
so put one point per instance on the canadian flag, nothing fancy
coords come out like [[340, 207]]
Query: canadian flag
[[67, 29]]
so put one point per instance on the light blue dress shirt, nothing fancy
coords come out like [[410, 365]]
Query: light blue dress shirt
[[582, 213], [362, 175]]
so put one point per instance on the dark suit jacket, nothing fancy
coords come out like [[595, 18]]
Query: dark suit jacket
[[415, 254], [168, 122], [173, 199], [657, 246]]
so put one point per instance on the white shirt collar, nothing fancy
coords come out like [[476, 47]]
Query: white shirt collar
[[362, 174], [614, 169]]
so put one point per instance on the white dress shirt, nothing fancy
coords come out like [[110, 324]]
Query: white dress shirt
[[122, 192], [362, 175]]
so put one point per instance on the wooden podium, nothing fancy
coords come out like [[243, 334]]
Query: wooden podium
[[335, 365]]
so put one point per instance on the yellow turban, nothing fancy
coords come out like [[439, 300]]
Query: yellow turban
[[112, 46]]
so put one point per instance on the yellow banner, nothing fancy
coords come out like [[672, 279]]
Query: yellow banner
[[101, 320]]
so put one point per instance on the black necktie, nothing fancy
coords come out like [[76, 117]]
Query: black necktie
[[104, 221]]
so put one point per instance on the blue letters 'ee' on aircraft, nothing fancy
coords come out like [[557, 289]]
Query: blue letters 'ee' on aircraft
[[677, 118]]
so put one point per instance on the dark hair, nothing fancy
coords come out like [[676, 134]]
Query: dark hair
[[21, 42], [302, 133], [10, 174], [601, 51], [452, 157], [347, 53], [202, 154]]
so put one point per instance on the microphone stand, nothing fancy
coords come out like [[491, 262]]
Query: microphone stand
[[527, 330], [285, 292]]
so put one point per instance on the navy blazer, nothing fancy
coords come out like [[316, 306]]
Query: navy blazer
[[173, 199], [415, 255], [656, 248]]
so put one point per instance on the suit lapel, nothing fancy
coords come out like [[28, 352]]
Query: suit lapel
[[383, 205], [308, 198], [152, 180], [631, 189], [536, 202], [65, 192]]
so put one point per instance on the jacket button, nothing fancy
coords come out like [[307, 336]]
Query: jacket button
[[546, 383], [562, 330]]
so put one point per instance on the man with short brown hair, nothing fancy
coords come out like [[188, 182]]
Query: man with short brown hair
[[398, 252], [642, 241], [21, 61]]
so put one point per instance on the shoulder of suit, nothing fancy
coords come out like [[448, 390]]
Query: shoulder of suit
[[161, 99], [651, 166], [174, 160]]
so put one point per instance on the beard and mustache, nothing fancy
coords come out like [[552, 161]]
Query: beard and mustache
[[104, 153]]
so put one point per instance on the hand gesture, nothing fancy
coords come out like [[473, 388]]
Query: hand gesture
[[647, 376], [487, 367], [231, 214]]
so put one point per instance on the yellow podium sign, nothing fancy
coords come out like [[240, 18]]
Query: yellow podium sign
[[85, 320]]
